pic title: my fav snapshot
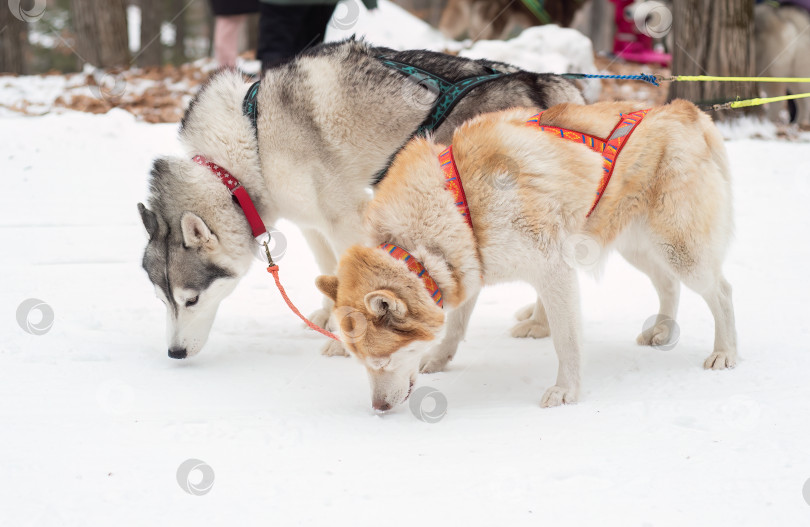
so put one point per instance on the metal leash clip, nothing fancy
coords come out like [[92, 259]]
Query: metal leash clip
[[264, 240]]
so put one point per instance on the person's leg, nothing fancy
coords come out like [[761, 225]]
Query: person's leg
[[226, 39], [313, 28], [279, 26]]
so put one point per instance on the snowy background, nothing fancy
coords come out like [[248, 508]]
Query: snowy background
[[97, 421]]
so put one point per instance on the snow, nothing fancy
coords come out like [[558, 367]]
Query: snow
[[545, 49], [389, 25], [97, 420], [549, 48]]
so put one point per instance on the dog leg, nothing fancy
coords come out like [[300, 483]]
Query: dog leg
[[561, 294], [803, 109], [533, 322], [668, 288], [438, 356], [525, 312], [718, 297], [327, 263]]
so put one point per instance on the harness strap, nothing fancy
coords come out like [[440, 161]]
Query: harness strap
[[452, 183], [608, 148], [250, 108], [449, 94]]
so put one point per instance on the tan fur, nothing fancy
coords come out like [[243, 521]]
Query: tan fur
[[667, 209], [369, 270]]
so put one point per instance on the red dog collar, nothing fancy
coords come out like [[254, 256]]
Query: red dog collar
[[237, 191]]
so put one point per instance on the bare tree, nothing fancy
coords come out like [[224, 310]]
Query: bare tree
[[13, 42], [713, 37], [101, 31], [151, 52], [179, 49]]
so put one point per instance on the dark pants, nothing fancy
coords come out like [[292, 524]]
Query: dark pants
[[286, 30]]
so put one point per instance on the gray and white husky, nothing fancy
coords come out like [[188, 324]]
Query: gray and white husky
[[328, 123]]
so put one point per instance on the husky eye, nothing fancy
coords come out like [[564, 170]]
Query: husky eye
[[191, 301]]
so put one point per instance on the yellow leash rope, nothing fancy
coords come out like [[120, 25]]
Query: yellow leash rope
[[675, 78], [757, 101]]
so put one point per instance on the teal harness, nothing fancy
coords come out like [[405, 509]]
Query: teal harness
[[448, 95]]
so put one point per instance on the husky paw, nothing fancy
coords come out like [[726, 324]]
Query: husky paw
[[557, 395], [658, 335], [720, 360], [530, 328], [320, 318], [433, 364], [525, 312], [334, 348]]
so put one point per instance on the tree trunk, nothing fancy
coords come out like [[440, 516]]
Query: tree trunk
[[713, 37], [179, 48], [151, 52], [13, 42], [101, 32]]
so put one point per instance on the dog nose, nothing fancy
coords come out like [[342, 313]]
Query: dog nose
[[177, 353], [381, 406]]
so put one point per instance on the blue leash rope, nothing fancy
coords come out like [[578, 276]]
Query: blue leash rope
[[641, 77]]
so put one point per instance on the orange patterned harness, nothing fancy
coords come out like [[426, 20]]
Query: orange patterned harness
[[608, 148]]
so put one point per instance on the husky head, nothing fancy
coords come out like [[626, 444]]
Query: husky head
[[386, 319], [198, 250]]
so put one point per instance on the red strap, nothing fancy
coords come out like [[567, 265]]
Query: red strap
[[452, 182], [238, 191], [258, 228]]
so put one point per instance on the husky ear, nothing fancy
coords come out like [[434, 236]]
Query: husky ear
[[383, 301], [196, 233], [328, 286], [149, 220]]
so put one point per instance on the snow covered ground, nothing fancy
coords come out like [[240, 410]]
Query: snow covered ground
[[100, 427], [97, 421]]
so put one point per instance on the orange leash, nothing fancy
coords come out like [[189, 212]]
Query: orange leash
[[273, 270]]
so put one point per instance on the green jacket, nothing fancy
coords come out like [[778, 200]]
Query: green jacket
[[370, 4]]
